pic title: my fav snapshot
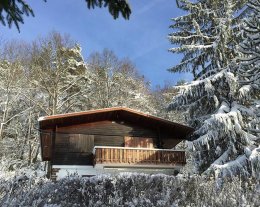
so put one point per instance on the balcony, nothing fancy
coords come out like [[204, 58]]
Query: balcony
[[138, 156]]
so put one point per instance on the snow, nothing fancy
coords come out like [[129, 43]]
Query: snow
[[79, 170], [222, 104], [41, 118], [225, 128], [206, 35], [224, 108], [245, 91], [230, 168], [247, 151], [255, 162], [129, 189]]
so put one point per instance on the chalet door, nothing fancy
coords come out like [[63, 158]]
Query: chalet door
[[140, 142]]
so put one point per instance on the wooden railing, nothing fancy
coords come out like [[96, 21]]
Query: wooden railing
[[129, 155]]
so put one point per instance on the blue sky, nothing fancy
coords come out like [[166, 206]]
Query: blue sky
[[143, 38]]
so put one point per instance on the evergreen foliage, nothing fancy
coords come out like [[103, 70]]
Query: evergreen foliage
[[115, 7], [207, 35], [225, 115], [249, 71], [249, 76], [12, 11]]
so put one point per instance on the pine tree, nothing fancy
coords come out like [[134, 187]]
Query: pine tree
[[249, 79], [12, 11], [250, 48], [222, 143], [207, 35], [115, 7]]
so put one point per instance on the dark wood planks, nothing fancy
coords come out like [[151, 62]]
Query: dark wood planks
[[46, 142], [74, 144], [109, 128], [103, 140], [73, 149]]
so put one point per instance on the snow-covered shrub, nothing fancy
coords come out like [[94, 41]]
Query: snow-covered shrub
[[128, 189]]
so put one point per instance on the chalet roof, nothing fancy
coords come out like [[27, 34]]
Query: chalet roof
[[115, 114]]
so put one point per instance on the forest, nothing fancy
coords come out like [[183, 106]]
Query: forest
[[220, 46]]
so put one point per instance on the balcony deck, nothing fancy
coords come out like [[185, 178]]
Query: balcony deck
[[138, 156]]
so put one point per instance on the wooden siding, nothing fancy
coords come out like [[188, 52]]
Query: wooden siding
[[73, 149], [118, 114], [81, 143], [109, 128], [105, 133], [124, 155], [103, 140], [74, 144], [142, 142]]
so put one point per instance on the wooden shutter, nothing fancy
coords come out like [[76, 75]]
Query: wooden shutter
[[81, 143], [141, 142], [46, 146]]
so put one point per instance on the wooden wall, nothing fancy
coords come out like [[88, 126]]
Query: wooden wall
[[74, 144], [73, 149], [109, 128]]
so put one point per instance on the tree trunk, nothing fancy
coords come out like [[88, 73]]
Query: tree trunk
[[1, 131], [36, 154]]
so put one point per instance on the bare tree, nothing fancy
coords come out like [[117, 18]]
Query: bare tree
[[117, 83], [11, 84], [57, 70]]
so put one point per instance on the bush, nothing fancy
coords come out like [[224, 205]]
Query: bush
[[128, 189]]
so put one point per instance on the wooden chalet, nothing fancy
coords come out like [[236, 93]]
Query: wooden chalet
[[110, 140]]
